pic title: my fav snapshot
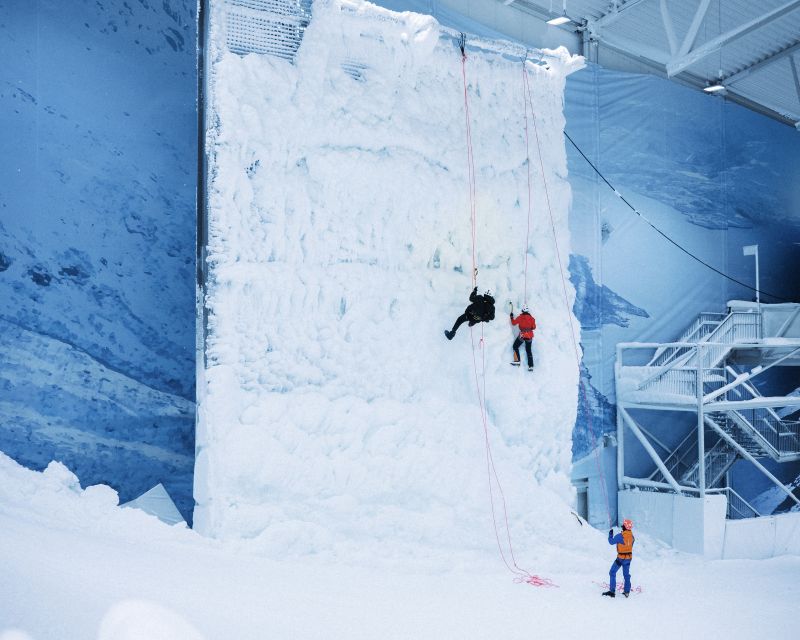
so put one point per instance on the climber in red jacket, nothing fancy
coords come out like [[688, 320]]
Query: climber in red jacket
[[526, 323]]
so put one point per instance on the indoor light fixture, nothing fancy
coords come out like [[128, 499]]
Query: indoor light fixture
[[562, 19]]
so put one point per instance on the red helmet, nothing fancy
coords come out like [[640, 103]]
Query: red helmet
[[628, 524]]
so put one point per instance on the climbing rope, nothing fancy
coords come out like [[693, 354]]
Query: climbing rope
[[521, 575], [581, 384], [462, 43], [526, 98], [664, 235]]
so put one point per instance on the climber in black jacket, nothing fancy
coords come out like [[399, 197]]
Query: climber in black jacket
[[481, 309]]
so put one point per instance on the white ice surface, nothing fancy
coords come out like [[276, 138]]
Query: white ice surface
[[338, 421]]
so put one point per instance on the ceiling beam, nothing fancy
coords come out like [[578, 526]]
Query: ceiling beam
[[746, 71], [796, 77], [681, 62], [668, 28], [694, 28], [635, 49], [613, 15], [786, 114], [657, 58]]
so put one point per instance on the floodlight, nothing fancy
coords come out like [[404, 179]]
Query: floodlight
[[559, 21], [714, 88]]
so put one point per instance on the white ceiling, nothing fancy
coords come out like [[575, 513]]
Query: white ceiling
[[752, 47]]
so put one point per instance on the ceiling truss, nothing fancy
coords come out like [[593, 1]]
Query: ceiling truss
[[683, 58]]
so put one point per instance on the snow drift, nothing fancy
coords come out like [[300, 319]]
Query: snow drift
[[336, 418]]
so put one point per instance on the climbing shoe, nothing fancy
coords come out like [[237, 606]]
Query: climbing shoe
[[530, 368], [610, 594], [626, 593], [448, 334], [514, 364]]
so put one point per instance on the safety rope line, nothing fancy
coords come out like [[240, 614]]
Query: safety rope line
[[664, 235], [470, 162], [521, 575], [525, 98], [578, 357]]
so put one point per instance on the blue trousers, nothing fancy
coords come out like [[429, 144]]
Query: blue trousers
[[626, 573]]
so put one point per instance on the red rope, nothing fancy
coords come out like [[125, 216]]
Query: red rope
[[521, 574], [526, 97], [566, 303], [470, 170]]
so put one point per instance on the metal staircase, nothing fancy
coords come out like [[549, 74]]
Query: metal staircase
[[709, 371]]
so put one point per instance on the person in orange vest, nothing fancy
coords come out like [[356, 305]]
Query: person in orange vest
[[526, 323], [624, 541]]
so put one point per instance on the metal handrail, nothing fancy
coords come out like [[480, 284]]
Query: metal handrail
[[737, 504], [774, 431], [675, 459], [701, 324]]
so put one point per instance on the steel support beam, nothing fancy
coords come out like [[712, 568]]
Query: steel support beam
[[668, 28], [687, 58], [612, 16], [691, 34], [785, 326], [744, 377], [701, 430], [763, 402], [620, 427], [745, 454], [652, 484], [796, 77], [743, 73], [651, 452]]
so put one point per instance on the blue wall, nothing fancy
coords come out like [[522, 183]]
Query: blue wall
[[97, 239], [712, 175]]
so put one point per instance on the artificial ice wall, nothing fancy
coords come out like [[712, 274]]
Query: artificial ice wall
[[336, 417]]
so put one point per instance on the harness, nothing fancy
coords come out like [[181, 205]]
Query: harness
[[625, 549]]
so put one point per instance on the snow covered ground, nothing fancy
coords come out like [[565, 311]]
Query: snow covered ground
[[75, 566]]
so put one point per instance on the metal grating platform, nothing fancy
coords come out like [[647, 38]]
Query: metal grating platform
[[271, 27]]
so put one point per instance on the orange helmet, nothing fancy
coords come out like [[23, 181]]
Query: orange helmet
[[628, 524]]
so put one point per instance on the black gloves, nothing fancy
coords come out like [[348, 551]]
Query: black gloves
[[610, 533], [511, 315]]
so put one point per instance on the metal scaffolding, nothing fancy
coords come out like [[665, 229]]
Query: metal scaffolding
[[710, 372]]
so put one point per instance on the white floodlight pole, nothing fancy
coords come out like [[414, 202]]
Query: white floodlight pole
[[752, 250], [701, 444]]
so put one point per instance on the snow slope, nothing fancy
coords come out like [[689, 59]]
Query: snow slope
[[75, 566], [337, 418]]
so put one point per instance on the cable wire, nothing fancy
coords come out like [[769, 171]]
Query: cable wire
[[665, 236]]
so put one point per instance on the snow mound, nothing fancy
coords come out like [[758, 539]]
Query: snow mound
[[143, 620], [336, 420], [54, 499]]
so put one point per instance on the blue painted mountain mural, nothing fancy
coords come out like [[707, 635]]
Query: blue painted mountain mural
[[596, 305], [97, 240]]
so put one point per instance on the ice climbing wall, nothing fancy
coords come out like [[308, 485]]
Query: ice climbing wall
[[336, 418]]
